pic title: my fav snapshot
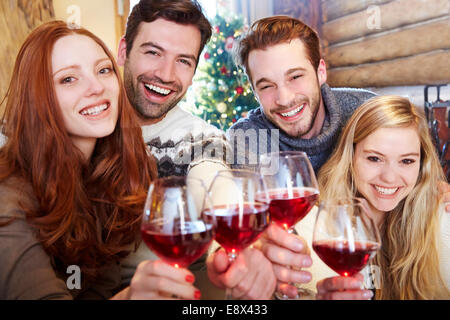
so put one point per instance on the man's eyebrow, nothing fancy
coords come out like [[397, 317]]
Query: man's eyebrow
[[151, 44], [261, 80], [156, 46], [288, 72], [294, 70]]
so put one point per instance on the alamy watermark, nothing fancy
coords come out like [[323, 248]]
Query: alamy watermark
[[74, 19], [241, 148], [74, 280], [374, 20]]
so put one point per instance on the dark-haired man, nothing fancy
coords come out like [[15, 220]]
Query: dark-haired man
[[160, 53]]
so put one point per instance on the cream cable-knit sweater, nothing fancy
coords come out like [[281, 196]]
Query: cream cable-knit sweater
[[183, 144], [182, 141]]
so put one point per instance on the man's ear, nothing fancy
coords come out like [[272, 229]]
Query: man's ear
[[322, 72], [122, 53]]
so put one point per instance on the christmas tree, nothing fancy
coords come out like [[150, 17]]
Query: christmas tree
[[221, 93]]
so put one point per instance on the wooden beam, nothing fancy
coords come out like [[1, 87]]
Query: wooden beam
[[410, 41], [332, 9], [17, 19], [428, 68], [121, 18], [306, 10], [392, 15]]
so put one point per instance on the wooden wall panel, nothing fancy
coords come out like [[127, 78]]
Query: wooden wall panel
[[428, 68], [333, 9], [306, 10], [393, 15], [402, 43], [410, 46], [17, 19]]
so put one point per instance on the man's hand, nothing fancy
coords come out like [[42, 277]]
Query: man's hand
[[286, 251], [250, 276], [342, 288]]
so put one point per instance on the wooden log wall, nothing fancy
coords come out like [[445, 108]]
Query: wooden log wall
[[17, 19], [378, 43], [306, 10]]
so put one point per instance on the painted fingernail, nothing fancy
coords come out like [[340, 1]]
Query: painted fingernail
[[190, 278], [197, 294]]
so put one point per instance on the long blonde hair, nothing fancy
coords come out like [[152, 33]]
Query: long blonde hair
[[409, 258]]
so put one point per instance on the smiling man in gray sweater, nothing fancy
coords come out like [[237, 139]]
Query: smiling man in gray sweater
[[299, 111]]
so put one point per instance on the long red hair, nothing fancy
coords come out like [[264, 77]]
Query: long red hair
[[88, 214]]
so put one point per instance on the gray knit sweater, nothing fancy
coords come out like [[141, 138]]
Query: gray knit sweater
[[339, 105]]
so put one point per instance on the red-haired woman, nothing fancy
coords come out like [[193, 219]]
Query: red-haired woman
[[74, 174]]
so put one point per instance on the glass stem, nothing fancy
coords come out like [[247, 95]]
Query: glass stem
[[228, 291]]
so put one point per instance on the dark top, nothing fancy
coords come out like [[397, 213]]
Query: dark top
[[26, 271]]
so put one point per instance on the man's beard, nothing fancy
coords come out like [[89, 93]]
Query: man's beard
[[146, 109], [313, 104], [314, 107]]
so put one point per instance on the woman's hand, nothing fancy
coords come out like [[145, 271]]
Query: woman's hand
[[343, 288], [157, 280]]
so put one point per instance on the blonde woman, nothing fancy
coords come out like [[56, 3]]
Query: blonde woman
[[386, 155]]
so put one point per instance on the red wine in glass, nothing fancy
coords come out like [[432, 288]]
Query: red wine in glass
[[239, 216], [173, 225], [345, 237], [287, 207], [181, 246], [235, 231], [344, 258], [293, 191]]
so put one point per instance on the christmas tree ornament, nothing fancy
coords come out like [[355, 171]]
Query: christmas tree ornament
[[211, 86], [224, 70], [229, 43], [222, 85], [222, 107], [224, 93]]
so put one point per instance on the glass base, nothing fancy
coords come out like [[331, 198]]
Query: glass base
[[302, 294]]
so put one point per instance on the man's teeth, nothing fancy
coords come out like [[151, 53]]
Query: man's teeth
[[94, 110], [386, 191], [293, 112], [157, 89]]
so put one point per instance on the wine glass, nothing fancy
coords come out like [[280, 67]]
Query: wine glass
[[174, 225], [293, 192], [345, 237], [241, 217]]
